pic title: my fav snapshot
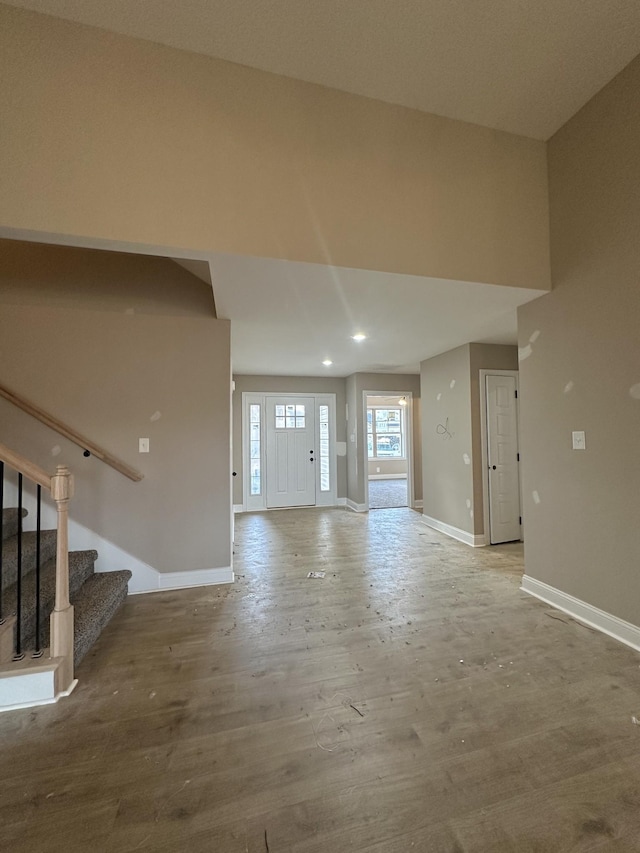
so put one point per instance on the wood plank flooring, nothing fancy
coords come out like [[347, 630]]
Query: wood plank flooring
[[412, 700]]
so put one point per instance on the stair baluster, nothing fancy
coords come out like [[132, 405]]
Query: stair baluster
[[18, 654], [1, 538], [37, 653]]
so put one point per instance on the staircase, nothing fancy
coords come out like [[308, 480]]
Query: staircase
[[95, 596]]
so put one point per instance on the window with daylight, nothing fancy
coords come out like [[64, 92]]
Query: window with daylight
[[385, 433], [290, 417], [254, 434], [325, 476]]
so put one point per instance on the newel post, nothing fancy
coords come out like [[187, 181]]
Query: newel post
[[62, 615]]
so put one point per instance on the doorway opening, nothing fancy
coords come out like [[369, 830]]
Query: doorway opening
[[388, 450]]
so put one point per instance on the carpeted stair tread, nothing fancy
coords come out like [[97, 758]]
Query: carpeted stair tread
[[10, 551], [94, 605], [10, 521], [81, 567]]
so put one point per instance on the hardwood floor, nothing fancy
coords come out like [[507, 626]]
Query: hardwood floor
[[412, 700]]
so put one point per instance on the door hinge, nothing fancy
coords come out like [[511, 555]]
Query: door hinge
[[518, 456], [520, 519], [516, 393]]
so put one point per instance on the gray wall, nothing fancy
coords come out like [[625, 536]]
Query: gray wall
[[104, 341], [354, 440], [287, 385], [357, 450], [447, 479], [483, 357], [389, 467], [582, 537], [452, 487]]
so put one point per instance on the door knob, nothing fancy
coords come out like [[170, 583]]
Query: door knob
[[494, 467]]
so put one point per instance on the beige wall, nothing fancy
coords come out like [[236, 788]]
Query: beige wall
[[287, 385], [483, 357], [104, 342], [106, 137], [447, 479], [357, 461], [582, 536]]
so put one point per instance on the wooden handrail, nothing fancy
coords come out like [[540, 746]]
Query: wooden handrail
[[24, 466], [71, 434]]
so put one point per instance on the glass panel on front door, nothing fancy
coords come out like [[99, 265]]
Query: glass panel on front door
[[290, 417]]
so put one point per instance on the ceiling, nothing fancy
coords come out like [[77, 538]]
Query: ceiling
[[524, 66], [288, 317]]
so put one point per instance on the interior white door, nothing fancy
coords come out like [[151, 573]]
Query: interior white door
[[291, 451], [502, 441]]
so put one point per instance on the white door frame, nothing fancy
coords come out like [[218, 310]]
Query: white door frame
[[408, 440], [484, 432], [259, 503]]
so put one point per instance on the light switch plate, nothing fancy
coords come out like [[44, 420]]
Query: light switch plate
[[578, 439], [143, 445]]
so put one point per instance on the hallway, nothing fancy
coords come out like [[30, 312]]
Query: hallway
[[412, 699]]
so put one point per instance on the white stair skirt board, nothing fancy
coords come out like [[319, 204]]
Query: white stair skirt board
[[144, 577], [356, 507], [611, 625], [113, 558], [31, 687], [475, 540]]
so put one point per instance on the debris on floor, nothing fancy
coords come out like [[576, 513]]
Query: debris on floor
[[316, 575]]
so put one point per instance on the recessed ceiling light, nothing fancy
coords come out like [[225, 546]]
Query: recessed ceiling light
[[327, 362], [359, 337]]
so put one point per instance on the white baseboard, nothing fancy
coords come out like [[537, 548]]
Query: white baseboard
[[625, 632], [387, 476], [418, 504], [341, 502], [238, 507], [29, 684], [356, 507], [194, 577], [476, 541]]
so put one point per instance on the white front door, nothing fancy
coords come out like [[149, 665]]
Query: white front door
[[291, 451], [502, 444]]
